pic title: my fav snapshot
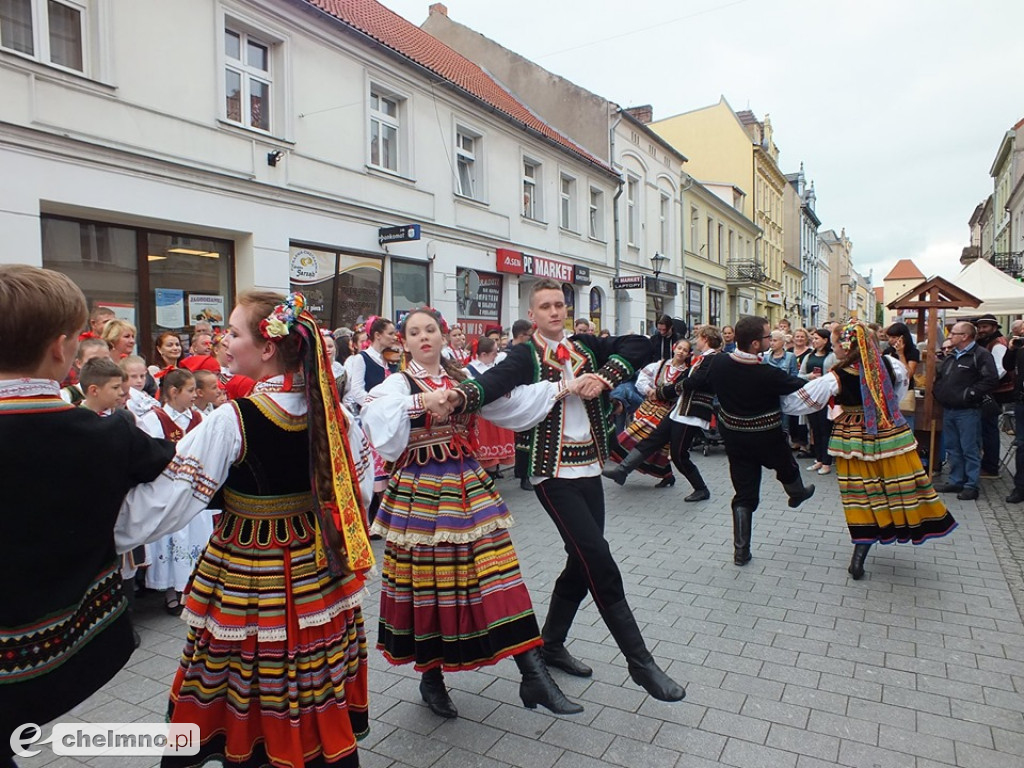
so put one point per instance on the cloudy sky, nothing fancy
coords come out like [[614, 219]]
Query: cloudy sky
[[896, 108]]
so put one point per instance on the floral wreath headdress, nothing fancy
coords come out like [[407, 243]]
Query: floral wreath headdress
[[281, 319]]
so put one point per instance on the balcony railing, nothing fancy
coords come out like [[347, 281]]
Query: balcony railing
[[745, 271], [1010, 263]]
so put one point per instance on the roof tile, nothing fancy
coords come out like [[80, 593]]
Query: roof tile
[[905, 269]]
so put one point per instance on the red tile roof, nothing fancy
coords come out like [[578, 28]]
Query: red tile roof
[[879, 293], [392, 31], [905, 269]]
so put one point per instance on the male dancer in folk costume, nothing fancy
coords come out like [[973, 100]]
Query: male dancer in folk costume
[[691, 412], [750, 421], [567, 446]]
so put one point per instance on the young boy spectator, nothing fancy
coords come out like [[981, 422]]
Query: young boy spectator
[[64, 631], [88, 349], [101, 381], [209, 393]]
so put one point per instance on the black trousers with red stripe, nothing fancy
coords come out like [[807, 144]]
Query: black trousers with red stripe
[[577, 509]]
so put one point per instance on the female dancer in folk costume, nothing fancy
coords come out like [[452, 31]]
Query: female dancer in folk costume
[[452, 597], [172, 558], [886, 494], [495, 445], [650, 382], [274, 667]]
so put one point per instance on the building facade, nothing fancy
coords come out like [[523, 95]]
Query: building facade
[[801, 245], [901, 278], [304, 145], [842, 283]]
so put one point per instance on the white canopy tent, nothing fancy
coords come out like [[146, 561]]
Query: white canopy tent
[[1000, 294]]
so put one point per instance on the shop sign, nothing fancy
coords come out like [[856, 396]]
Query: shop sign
[[773, 297], [400, 234], [509, 261], [581, 275], [628, 281], [478, 300], [661, 287], [518, 263]]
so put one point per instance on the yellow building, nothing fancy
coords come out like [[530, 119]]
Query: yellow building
[[736, 149]]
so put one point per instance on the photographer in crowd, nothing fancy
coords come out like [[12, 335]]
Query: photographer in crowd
[[1013, 361]]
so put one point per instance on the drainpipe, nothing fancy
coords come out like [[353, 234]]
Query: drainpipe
[[615, 223]]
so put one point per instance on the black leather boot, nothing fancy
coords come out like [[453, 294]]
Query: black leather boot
[[561, 612], [798, 494], [700, 488], [619, 472], [539, 688], [642, 667], [856, 569], [742, 522], [433, 691]]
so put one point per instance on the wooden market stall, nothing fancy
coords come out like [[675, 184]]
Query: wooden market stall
[[928, 299]]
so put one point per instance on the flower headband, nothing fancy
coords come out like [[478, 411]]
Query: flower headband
[[430, 311], [848, 335], [279, 322]]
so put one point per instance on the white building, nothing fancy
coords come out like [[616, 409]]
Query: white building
[[168, 155], [801, 239]]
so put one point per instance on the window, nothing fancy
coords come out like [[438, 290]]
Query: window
[[632, 211], [663, 222], [596, 214], [385, 123], [732, 245], [247, 79], [694, 222], [714, 307], [51, 30], [711, 239], [532, 204], [567, 202], [721, 245], [467, 149]]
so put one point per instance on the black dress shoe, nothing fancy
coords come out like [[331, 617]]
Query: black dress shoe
[[667, 482], [435, 694], [968, 494], [949, 488], [1016, 496]]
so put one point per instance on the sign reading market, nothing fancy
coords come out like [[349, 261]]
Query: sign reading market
[[518, 263]]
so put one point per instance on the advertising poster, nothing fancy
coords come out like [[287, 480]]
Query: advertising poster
[[595, 308], [312, 274], [205, 307], [478, 299], [124, 312], [170, 308]]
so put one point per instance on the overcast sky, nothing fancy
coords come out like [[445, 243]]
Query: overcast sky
[[895, 108]]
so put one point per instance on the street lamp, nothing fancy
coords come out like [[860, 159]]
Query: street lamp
[[657, 262]]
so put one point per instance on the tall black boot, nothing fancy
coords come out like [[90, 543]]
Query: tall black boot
[[856, 569], [700, 488], [642, 667], [619, 472], [433, 691], [561, 612], [129, 596], [798, 494], [539, 688], [742, 521]]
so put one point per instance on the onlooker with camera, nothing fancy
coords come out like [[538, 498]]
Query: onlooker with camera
[[990, 336], [1013, 361], [961, 383]]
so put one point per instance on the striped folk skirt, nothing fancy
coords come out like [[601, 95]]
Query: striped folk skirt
[[646, 419], [452, 595], [274, 666], [886, 495]]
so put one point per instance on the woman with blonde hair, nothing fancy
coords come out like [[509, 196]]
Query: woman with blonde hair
[[120, 337]]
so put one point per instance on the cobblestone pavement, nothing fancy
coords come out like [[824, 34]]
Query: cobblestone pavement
[[788, 662]]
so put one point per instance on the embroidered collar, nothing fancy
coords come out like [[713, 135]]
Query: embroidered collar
[[29, 388], [548, 349], [417, 371], [175, 414], [745, 357], [281, 383]]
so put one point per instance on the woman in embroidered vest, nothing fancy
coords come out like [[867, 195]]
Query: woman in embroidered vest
[[274, 667], [172, 558], [452, 597], [650, 383], [457, 349], [496, 446], [886, 495]]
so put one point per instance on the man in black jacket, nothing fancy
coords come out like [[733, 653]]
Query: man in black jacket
[[1013, 361], [962, 381], [664, 339]]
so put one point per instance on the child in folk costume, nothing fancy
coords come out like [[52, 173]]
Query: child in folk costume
[[495, 445], [452, 597], [172, 558], [650, 383], [139, 403], [886, 495], [274, 667]]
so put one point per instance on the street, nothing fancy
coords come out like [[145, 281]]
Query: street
[[787, 662]]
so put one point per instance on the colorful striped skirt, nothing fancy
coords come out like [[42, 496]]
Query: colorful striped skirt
[[274, 666], [495, 445], [646, 419], [452, 595], [886, 495]]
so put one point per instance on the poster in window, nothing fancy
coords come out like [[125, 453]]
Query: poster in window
[[124, 312], [595, 308], [170, 308], [208, 307], [311, 273], [478, 300], [570, 305]]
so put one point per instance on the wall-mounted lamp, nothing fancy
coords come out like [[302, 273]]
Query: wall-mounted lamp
[[273, 158], [657, 262]]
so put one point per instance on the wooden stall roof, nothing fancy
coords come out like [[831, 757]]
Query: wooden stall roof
[[949, 296]]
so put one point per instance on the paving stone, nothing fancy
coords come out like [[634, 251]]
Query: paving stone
[[528, 753], [802, 742], [577, 738], [630, 752], [744, 753], [738, 726]]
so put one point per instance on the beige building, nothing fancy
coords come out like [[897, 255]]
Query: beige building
[[901, 278], [842, 282], [738, 150]]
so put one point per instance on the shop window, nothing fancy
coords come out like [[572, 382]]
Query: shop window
[[409, 286]]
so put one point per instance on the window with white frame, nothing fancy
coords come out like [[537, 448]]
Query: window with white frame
[[385, 128], [663, 222], [596, 213], [694, 223], [711, 239], [52, 31], [248, 78], [714, 307], [567, 202], [721, 242], [468, 159], [633, 211], [532, 204]]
